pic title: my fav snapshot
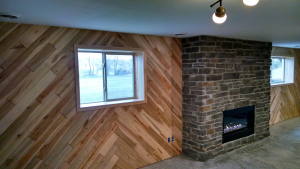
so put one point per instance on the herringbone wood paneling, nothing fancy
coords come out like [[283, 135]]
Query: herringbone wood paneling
[[39, 124], [285, 100]]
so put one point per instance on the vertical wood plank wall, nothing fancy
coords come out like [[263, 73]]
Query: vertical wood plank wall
[[39, 125], [285, 100]]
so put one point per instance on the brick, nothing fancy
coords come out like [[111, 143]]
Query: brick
[[260, 73], [192, 143], [218, 71], [191, 49], [241, 104], [197, 55], [246, 47], [212, 55], [197, 92], [210, 44], [189, 107], [226, 45], [210, 131], [210, 65], [227, 55], [190, 118], [204, 84], [198, 64], [190, 71], [204, 108], [199, 132], [196, 77], [204, 156], [190, 153], [224, 87], [222, 66], [249, 62], [246, 90], [228, 76], [185, 83], [234, 91], [210, 101], [221, 94], [207, 49], [192, 125], [237, 45], [205, 70], [214, 77], [216, 116]]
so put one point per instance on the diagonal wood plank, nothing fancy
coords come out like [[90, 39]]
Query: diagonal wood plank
[[39, 124], [285, 100]]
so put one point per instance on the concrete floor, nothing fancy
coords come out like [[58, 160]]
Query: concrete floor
[[281, 150]]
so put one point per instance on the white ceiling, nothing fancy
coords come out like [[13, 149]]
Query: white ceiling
[[275, 21]]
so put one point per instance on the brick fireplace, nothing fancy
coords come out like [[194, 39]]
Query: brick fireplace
[[221, 74]]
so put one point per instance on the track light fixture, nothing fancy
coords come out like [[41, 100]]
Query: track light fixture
[[250, 2], [220, 15]]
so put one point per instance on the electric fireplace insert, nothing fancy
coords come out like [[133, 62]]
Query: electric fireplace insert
[[238, 123]]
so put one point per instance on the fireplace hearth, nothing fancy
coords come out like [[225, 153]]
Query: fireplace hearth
[[238, 123]]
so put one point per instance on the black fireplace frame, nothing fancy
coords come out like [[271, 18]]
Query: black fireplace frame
[[243, 132]]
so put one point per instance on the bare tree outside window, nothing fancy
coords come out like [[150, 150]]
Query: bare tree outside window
[[109, 76], [120, 78], [277, 70], [90, 77]]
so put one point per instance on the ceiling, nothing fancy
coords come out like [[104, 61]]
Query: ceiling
[[274, 21]]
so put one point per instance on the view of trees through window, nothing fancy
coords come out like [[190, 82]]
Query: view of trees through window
[[119, 77], [277, 70]]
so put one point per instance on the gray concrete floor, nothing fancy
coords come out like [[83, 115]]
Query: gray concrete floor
[[281, 150]]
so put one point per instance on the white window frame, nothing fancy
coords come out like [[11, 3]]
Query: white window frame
[[139, 74], [288, 70]]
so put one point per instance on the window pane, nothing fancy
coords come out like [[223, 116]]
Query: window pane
[[119, 76], [277, 70], [90, 77]]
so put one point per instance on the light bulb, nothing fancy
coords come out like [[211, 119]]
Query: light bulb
[[219, 20], [250, 2]]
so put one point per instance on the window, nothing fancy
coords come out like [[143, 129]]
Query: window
[[282, 70], [109, 77]]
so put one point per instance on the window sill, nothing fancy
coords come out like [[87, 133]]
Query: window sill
[[280, 84], [102, 105]]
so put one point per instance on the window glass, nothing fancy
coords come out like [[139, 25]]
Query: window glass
[[277, 70], [109, 77], [120, 76], [90, 77]]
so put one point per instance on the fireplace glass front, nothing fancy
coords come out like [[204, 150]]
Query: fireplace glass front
[[235, 122], [238, 123]]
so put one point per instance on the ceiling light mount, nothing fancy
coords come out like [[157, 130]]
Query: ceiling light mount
[[220, 12]]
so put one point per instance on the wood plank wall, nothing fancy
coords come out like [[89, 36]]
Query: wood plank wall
[[39, 125], [285, 100]]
